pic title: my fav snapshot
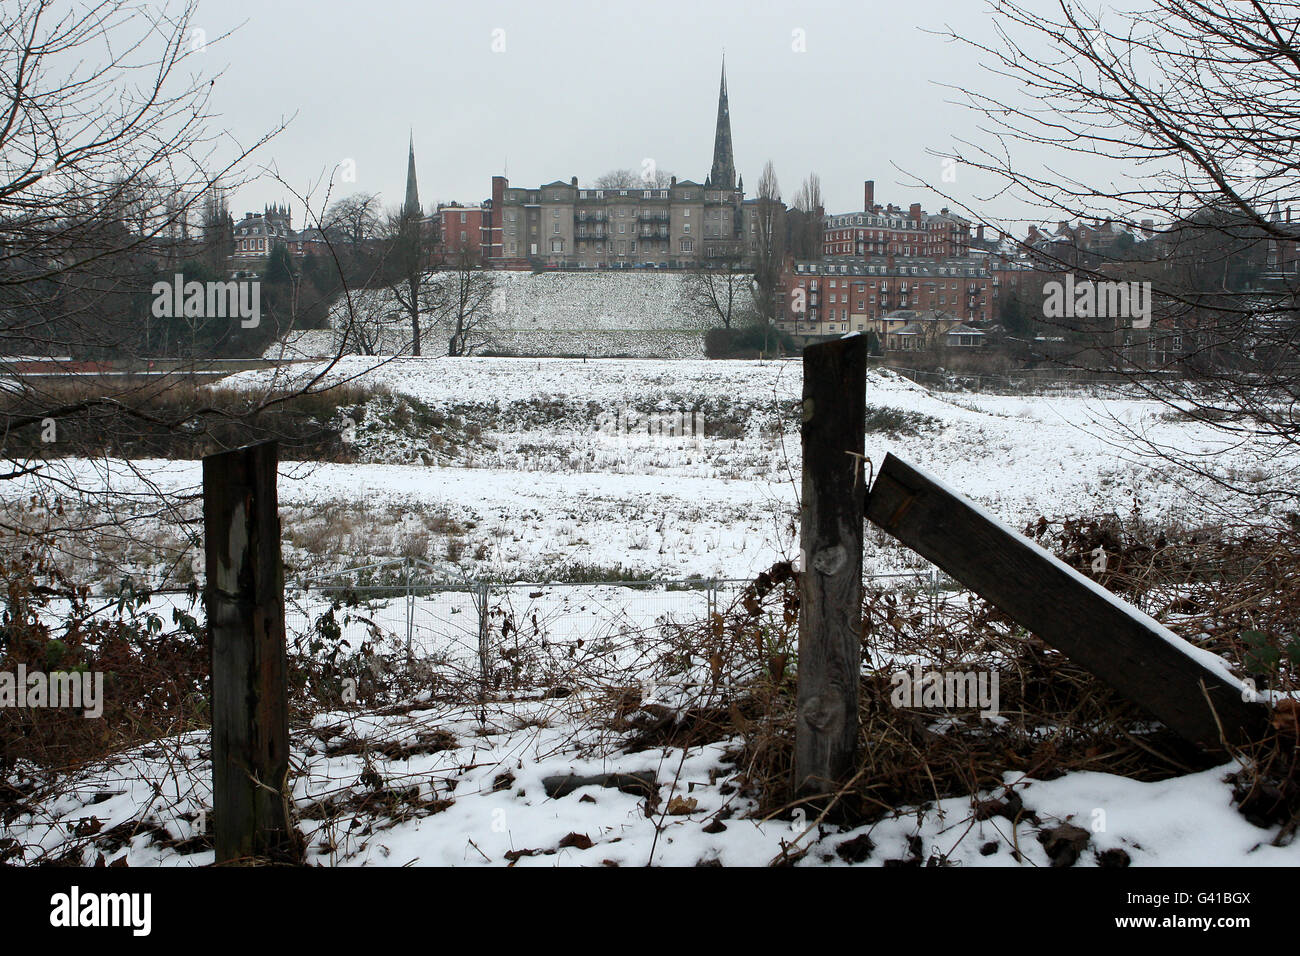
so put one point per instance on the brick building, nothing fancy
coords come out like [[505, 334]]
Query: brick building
[[891, 231], [256, 235], [462, 229], [833, 296]]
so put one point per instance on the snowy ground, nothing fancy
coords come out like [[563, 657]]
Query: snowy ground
[[545, 487], [553, 482], [453, 793]]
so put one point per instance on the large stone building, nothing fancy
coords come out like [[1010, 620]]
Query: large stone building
[[561, 225]]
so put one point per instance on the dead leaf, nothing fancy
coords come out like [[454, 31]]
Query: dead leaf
[[680, 807]]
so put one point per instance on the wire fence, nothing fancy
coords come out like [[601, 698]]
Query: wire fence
[[489, 640]]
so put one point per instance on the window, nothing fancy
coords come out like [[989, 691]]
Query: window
[[686, 227], [462, 217], [557, 245]]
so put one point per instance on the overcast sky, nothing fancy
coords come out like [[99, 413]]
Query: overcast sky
[[582, 87]]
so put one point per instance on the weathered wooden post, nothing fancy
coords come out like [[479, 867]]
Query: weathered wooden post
[[830, 609], [1189, 689], [244, 597]]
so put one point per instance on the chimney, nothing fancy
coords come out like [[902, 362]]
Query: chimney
[[914, 211], [869, 196], [979, 233], [573, 181]]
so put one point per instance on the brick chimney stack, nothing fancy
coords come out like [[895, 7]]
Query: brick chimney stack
[[869, 196]]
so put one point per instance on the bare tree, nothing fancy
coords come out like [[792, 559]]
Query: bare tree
[[721, 292], [106, 151], [1187, 113], [806, 223], [769, 232], [357, 218], [463, 303], [649, 177], [407, 268]]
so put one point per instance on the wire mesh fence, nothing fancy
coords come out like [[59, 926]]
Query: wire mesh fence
[[480, 640]]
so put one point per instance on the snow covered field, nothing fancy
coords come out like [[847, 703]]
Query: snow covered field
[[552, 480], [547, 485]]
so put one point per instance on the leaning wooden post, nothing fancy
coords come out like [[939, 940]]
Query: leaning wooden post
[[245, 604], [1191, 690], [830, 610]]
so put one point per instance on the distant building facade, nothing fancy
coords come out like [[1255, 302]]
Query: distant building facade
[[891, 231], [561, 225], [832, 296]]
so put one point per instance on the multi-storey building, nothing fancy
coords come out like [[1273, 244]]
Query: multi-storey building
[[462, 230], [892, 231], [255, 236], [832, 296], [561, 225]]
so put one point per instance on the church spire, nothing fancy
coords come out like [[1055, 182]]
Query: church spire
[[412, 205], [723, 173]]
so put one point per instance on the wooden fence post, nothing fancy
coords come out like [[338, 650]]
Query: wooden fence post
[[1190, 690], [830, 590], [244, 596]]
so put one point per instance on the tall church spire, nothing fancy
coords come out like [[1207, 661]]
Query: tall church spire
[[723, 173], [412, 204]]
